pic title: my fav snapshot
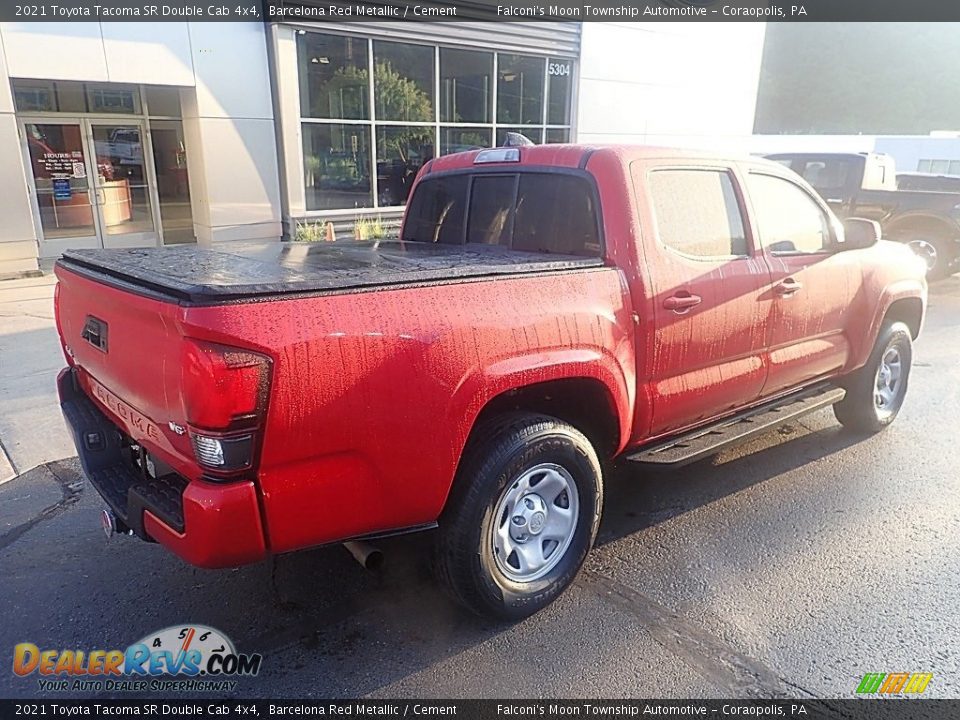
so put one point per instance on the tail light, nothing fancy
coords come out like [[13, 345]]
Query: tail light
[[224, 401], [67, 352]]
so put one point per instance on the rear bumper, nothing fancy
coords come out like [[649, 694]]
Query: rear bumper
[[207, 524]]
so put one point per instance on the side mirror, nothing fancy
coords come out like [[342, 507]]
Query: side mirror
[[859, 233]]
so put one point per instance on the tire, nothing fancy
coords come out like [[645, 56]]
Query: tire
[[478, 556], [937, 251], [875, 392]]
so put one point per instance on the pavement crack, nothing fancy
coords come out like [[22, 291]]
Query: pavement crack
[[70, 487], [36, 316], [719, 663], [9, 457]]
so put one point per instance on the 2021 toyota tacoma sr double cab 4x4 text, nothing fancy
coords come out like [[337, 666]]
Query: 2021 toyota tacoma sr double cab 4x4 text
[[545, 309]]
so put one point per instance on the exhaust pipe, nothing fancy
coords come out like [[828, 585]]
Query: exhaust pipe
[[370, 557]]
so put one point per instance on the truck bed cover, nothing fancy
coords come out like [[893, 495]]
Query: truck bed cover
[[250, 270]]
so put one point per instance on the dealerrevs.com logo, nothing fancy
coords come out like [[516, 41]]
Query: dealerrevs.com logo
[[900, 683], [178, 658]]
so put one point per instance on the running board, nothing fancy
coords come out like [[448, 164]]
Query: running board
[[711, 439]]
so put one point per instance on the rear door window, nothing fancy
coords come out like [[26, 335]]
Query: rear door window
[[698, 214]]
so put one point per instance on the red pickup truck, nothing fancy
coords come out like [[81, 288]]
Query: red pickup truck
[[545, 309]]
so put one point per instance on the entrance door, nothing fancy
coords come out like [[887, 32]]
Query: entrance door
[[93, 185], [61, 169], [123, 196]]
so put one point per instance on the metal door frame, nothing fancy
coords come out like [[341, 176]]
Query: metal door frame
[[150, 179], [51, 248]]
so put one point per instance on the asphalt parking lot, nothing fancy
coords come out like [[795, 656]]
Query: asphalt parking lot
[[786, 568]]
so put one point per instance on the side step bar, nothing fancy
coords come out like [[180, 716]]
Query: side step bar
[[709, 440]]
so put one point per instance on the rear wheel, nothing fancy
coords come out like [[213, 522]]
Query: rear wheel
[[875, 392], [522, 516]]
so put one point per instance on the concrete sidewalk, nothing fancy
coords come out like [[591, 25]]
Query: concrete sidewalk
[[32, 431]]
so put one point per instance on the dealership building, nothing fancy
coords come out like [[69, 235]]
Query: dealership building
[[138, 134]]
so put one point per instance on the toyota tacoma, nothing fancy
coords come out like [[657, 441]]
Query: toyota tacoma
[[544, 310]]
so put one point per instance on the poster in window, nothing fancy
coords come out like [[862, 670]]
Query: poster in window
[[61, 189]]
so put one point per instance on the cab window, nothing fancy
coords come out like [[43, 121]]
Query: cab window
[[790, 222], [697, 213], [541, 212]]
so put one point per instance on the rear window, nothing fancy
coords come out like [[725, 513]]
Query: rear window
[[437, 214], [532, 212], [828, 176], [697, 213]]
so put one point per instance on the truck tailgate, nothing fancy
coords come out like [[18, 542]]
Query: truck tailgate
[[127, 347]]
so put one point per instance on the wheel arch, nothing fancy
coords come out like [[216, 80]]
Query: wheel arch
[[908, 310], [903, 301], [586, 403], [900, 228]]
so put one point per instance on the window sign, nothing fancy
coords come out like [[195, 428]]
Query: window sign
[[63, 164], [61, 189]]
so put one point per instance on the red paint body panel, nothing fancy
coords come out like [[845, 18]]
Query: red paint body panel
[[223, 524], [372, 395], [142, 369], [709, 359]]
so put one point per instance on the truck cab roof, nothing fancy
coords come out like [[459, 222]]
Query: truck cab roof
[[575, 155]]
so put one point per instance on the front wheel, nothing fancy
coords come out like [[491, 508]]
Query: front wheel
[[937, 252], [522, 516], [875, 392]]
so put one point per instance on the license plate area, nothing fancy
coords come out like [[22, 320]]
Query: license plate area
[[141, 461], [134, 423]]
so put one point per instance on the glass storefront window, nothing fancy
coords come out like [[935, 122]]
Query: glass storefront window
[[531, 133], [403, 81], [334, 77], [336, 166], [422, 101], [465, 86], [520, 90], [173, 184], [66, 97], [163, 101], [401, 152], [35, 95], [559, 73], [454, 140], [113, 98]]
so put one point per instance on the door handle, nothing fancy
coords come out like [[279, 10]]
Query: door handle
[[787, 287], [682, 302]]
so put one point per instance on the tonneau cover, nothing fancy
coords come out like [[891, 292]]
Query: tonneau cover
[[245, 269]]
